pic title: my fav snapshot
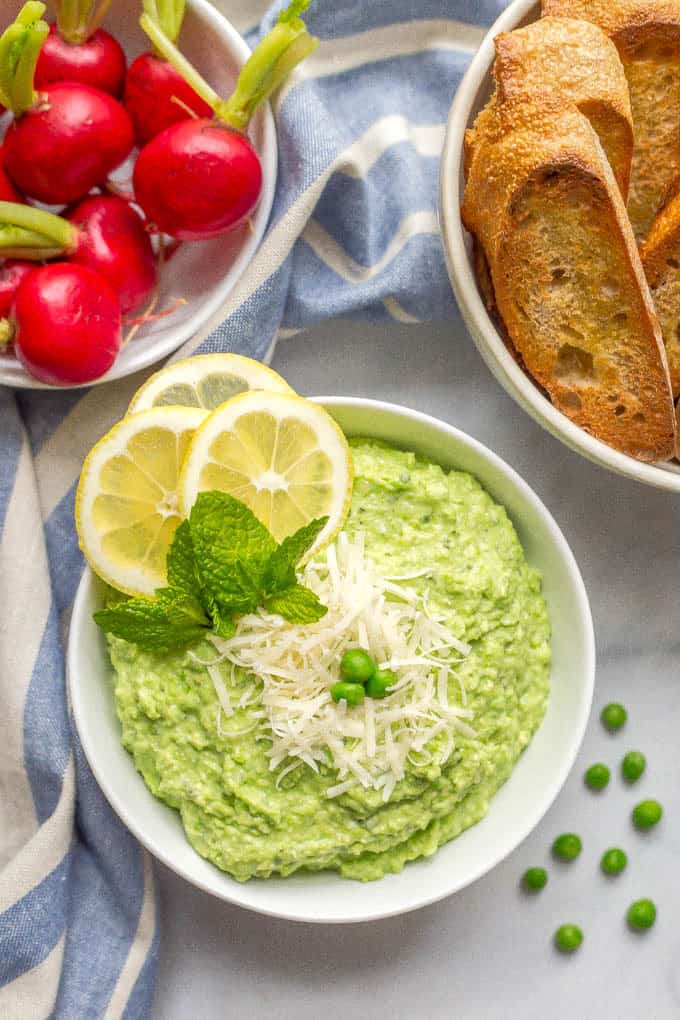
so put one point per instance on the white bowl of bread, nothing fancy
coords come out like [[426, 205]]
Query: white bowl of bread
[[560, 208]]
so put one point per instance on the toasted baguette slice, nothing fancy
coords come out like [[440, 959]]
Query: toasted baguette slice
[[562, 60], [576, 61], [558, 61], [661, 261], [542, 200], [647, 36]]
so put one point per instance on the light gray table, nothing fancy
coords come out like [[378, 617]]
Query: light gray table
[[486, 953]]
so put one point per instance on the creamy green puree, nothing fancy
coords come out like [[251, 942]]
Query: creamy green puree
[[414, 515]]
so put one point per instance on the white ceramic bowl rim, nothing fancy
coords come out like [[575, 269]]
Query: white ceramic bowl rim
[[141, 354], [481, 326], [305, 897]]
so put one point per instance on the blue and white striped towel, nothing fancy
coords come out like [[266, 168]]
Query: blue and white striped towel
[[353, 232]]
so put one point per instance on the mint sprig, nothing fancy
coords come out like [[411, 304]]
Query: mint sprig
[[222, 564], [181, 561], [159, 625], [296, 604]]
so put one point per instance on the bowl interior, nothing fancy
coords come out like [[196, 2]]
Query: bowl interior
[[514, 811], [471, 97], [203, 272]]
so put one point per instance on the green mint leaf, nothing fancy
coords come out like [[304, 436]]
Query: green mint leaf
[[183, 608], [223, 626], [111, 596], [231, 589], [232, 548], [280, 572], [152, 625], [297, 605], [181, 562]]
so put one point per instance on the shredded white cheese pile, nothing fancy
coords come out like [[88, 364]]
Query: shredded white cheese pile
[[369, 744]]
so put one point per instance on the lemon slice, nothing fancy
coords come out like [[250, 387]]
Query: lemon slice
[[206, 380], [281, 455], [127, 508]]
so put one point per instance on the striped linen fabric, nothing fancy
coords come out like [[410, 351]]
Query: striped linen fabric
[[354, 233]]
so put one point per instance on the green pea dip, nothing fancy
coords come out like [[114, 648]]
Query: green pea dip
[[413, 515]]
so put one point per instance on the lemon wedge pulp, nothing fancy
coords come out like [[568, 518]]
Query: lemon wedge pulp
[[127, 507], [206, 380], [281, 455]]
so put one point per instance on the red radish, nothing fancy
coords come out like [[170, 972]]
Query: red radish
[[12, 273], [156, 95], [98, 61], [200, 178], [102, 233], [8, 193], [112, 240], [65, 139], [68, 143], [67, 322], [216, 180]]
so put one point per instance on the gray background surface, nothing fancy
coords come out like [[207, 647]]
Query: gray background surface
[[486, 953]]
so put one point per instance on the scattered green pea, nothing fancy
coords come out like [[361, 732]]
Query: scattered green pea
[[641, 915], [647, 814], [633, 765], [356, 666], [535, 879], [567, 846], [352, 693], [613, 861], [376, 686], [613, 716], [568, 938], [597, 776]]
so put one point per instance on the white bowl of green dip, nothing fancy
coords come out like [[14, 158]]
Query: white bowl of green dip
[[487, 548]]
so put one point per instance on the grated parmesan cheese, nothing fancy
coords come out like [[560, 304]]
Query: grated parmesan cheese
[[295, 667]]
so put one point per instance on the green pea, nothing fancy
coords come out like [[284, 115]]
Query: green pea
[[597, 776], [357, 666], [568, 938], [613, 716], [376, 686], [535, 879], [633, 765], [613, 861], [641, 915], [647, 814], [567, 846], [353, 694]]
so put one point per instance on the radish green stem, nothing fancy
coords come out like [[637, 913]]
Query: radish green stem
[[20, 46], [167, 14], [16, 243], [265, 70], [23, 93], [169, 51], [26, 232], [30, 12], [11, 41], [77, 20]]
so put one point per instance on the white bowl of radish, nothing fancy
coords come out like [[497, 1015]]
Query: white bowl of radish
[[197, 279]]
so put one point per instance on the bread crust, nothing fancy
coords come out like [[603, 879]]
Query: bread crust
[[574, 63], [661, 262], [538, 173], [646, 34], [631, 24]]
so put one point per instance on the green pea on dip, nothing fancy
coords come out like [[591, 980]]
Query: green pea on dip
[[270, 774]]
